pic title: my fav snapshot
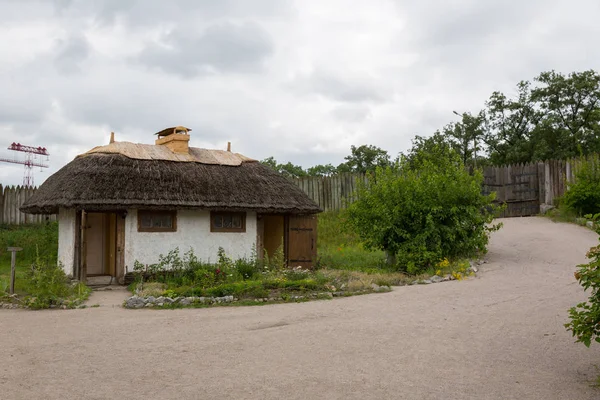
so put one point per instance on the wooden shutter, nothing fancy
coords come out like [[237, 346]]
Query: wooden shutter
[[302, 241]]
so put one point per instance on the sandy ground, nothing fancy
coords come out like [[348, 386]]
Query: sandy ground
[[498, 336]]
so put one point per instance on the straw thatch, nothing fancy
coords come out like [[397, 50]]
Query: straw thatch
[[100, 181], [140, 151]]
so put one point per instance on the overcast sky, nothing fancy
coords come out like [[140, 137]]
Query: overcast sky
[[300, 80]]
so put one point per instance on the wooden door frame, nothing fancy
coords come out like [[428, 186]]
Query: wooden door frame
[[260, 235], [80, 256]]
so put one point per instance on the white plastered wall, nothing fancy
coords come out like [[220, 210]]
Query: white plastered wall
[[193, 231], [66, 239]]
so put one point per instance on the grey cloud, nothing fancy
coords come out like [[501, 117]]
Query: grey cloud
[[154, 12], [71, 52], [351, 113], [355, 89], [226, 47], [467, 22]]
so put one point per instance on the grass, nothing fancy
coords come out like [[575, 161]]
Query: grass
[[339, 248], [564, 214], [36, 239], [39, 282]]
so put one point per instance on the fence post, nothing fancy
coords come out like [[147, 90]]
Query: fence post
[[1, 204], [13, 262]]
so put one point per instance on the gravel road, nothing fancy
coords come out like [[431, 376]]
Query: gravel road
[[497, 336]]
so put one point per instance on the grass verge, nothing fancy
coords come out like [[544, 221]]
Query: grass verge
[[39, 281]]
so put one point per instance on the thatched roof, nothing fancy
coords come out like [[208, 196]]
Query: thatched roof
[[106, 179], [140, 151]]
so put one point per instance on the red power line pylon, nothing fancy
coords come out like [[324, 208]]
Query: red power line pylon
[[29, 162]]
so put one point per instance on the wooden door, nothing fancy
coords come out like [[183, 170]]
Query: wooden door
[[302, 241], [96, 244]]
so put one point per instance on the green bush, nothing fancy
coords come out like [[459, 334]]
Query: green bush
[[583, 196], [585, 317], [423, 212], [49, 286]]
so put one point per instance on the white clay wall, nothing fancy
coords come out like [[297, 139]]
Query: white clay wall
[[66, 239], [193, 231]]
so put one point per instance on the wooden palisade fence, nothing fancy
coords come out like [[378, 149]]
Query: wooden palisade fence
[[522, 187], [332, 193], [13, 197]]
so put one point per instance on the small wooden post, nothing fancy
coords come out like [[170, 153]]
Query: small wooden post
[[229, 146], [13, 261]]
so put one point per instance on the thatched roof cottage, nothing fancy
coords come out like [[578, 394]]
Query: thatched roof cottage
[[127, 202]]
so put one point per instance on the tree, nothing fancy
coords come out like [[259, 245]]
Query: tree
[[423, 211], [571, 112], [464, 135], [321, 170], [365, 158], [288, 169], [435, 148], [512, 125]]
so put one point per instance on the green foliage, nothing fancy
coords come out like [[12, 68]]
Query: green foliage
[[322, 170], [365, 158], [512, 124], [241, 278], [465, 136], [585, 317], [40, 282], [288, 169], [558, 118], [424, 212], [433, 149], [49, 286], [341, 248], [583, 196], [36, 239]]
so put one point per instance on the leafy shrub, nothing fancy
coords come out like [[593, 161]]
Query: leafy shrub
[[247, 269], [583, 196], [585, 317], [423, 212], [49, 286]]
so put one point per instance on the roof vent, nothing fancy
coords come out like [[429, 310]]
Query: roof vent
[[175, 138]]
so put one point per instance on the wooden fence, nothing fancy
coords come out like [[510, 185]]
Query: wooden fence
[[13, 197], [522, 187], [332, 192]]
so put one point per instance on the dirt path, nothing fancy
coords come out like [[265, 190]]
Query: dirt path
[[498, 336], [110, 296]]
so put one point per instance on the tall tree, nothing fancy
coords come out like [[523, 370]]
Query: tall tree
[[435, 149], [571, 108], [321, 170], [512, 123], [465, 135], [288, 169], [365, 158]]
